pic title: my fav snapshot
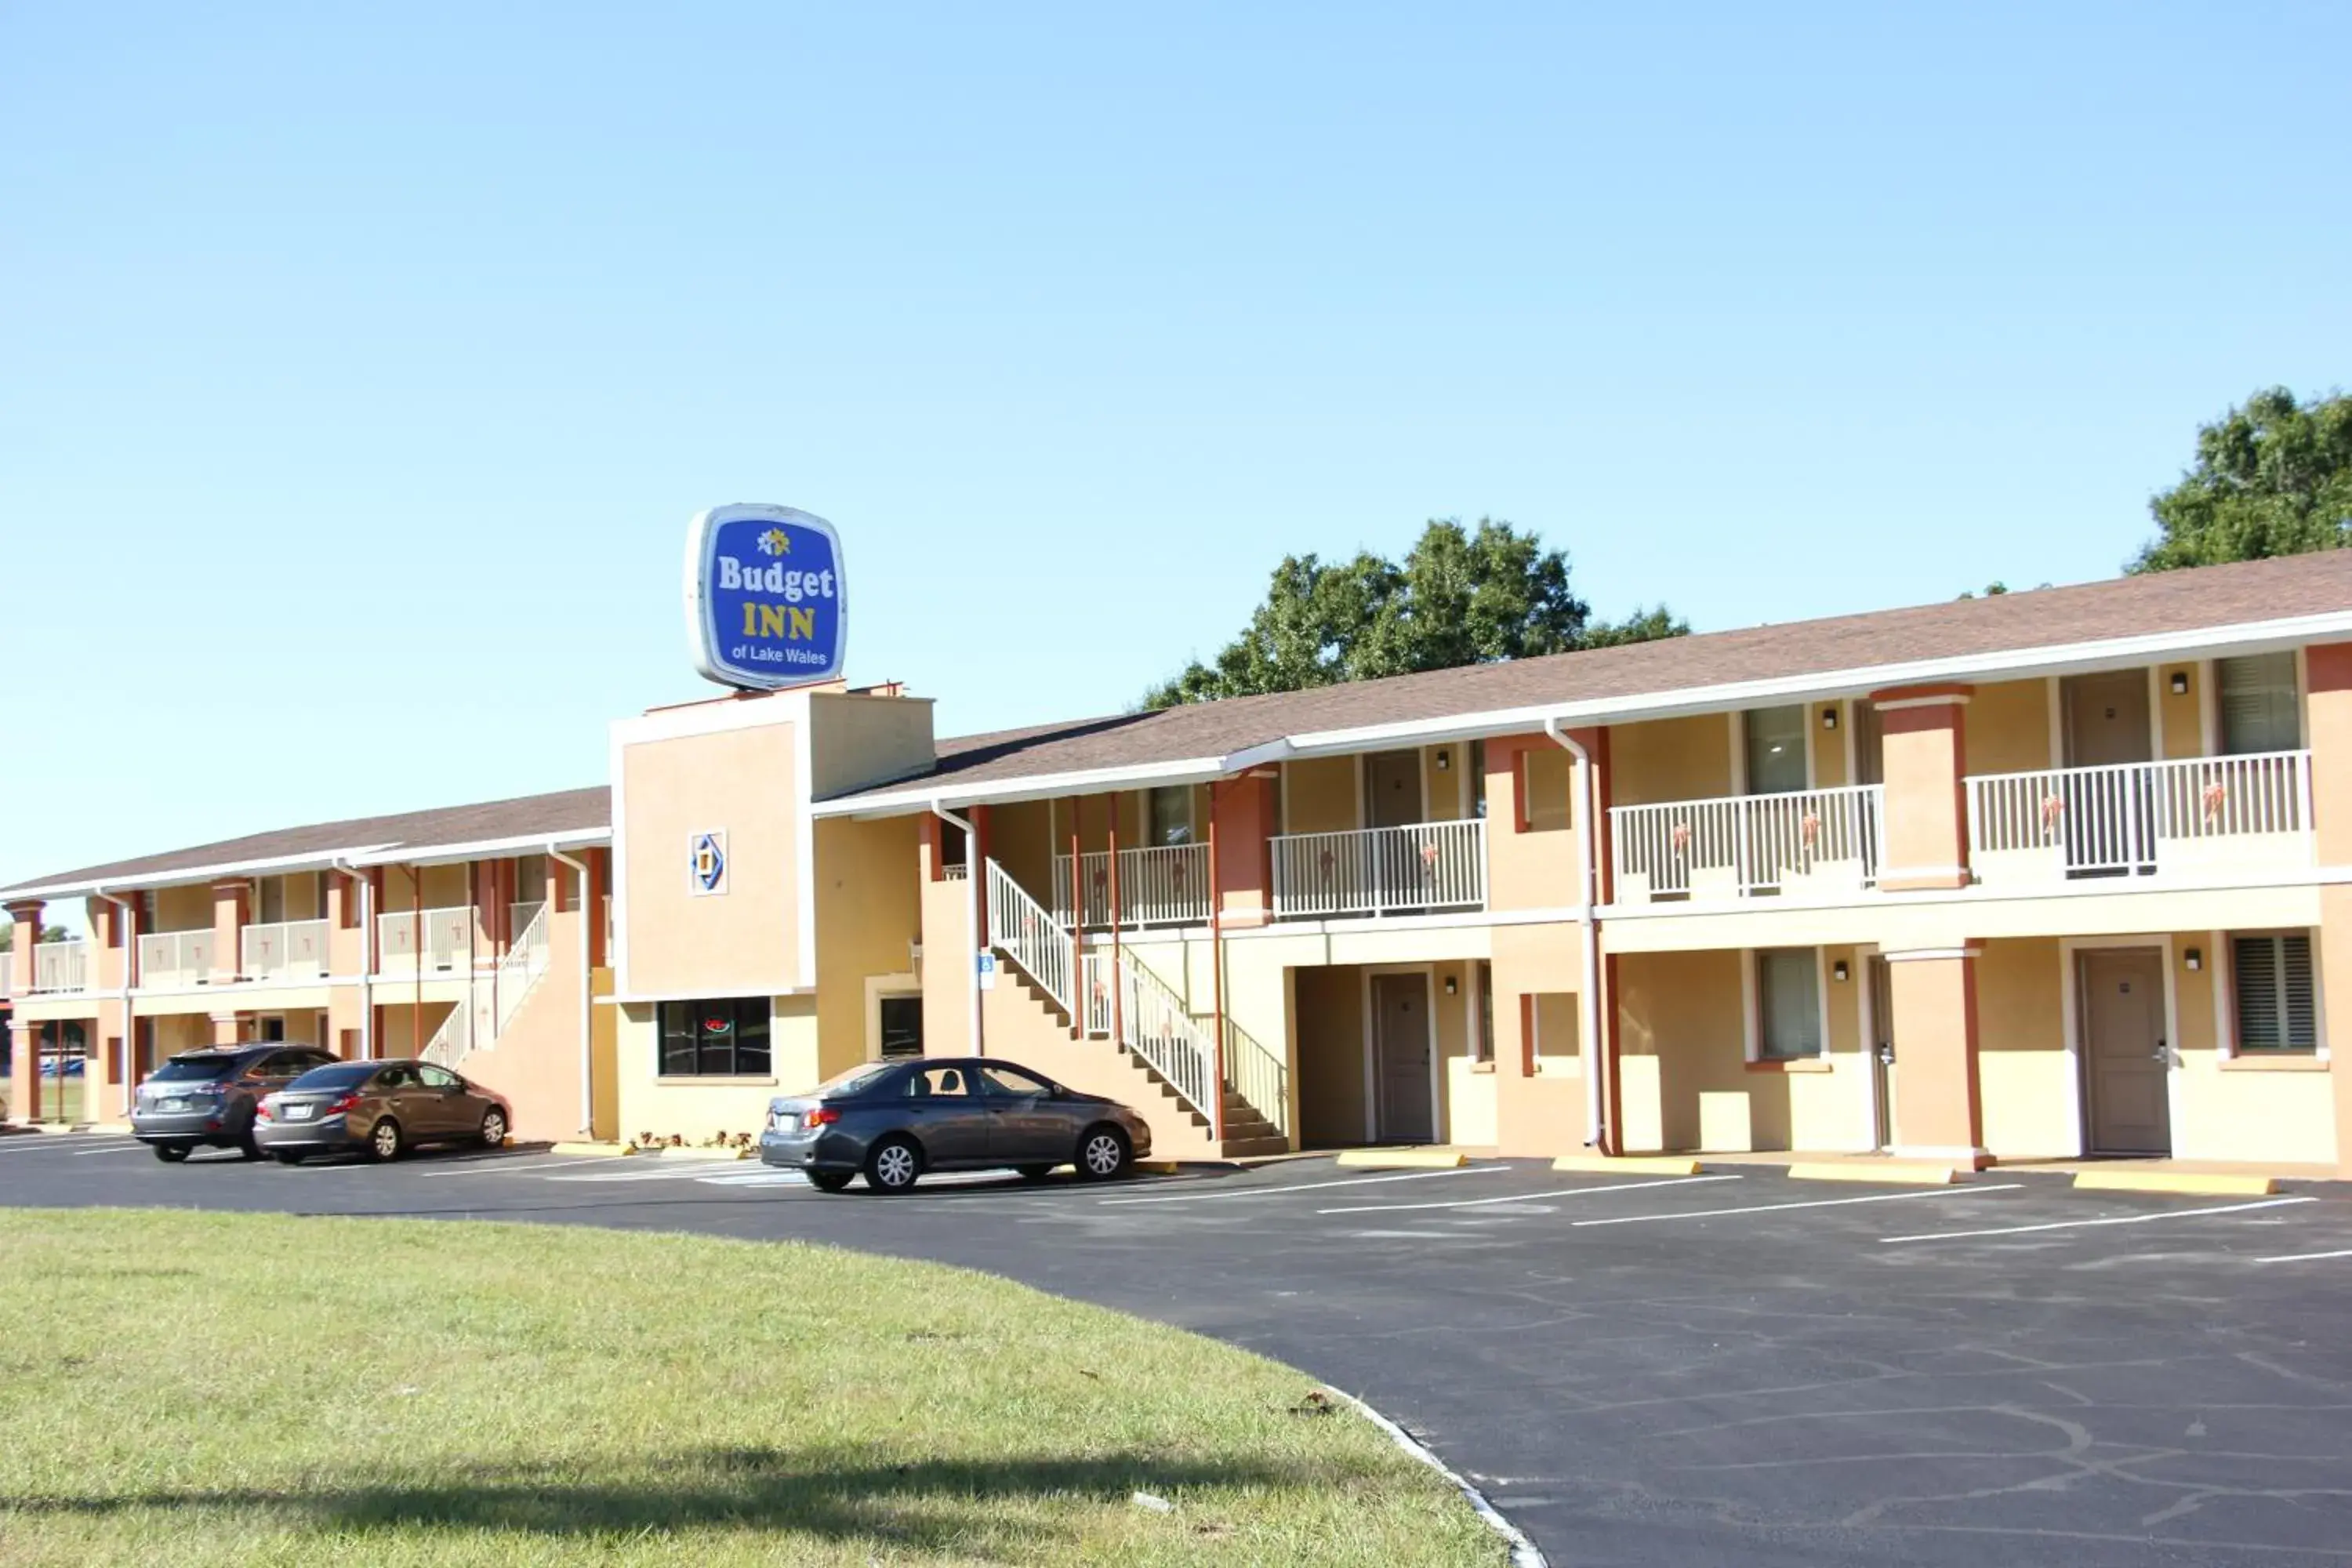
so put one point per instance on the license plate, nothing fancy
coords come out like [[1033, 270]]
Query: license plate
[[787, 1121], [171, 1105], [300, 1112]]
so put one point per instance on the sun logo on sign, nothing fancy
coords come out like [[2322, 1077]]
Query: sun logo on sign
[[776, 541]]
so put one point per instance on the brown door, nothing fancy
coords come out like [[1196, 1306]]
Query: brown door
[[2107, 718], [1882, 1046], [1391, 789], [1400, 1064], [2126, 1060], [1869, 743]]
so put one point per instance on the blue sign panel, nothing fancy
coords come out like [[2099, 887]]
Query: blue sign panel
[[764, 600]]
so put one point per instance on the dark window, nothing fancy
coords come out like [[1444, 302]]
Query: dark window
[[398, 1077], [1478, 778], [436, 1077], [2260, 707], [1014, 1082], [723, 1038], [195, 1070], [1787, 1003], [951, 845], [1485, 1047], [2271, 976], [273, 1028], [342, 1075], [937, 1083], [902, 1027]]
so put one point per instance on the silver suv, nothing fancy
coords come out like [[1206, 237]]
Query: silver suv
[[205, 1099]]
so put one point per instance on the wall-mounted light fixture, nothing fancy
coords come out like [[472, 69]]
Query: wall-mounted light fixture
[[1838, 971], [1445, 761], [1450, 984], [2180, 683], [2194, 958], [1828, 718]]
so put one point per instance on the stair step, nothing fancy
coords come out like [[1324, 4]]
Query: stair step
[[1246, 1148]]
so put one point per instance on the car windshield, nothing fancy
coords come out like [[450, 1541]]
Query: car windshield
[[193, 1069], [342, 1075], [856, 1080]]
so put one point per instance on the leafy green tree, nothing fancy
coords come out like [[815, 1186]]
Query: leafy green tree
[[2273, 478], [1460, 596], [48, 933]]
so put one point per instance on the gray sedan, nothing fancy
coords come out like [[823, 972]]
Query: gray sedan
[[893, 1121], [384, 1108]]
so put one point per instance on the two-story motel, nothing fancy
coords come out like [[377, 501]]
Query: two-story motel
[[2044, 875]]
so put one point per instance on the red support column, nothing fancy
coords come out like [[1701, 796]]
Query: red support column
[[1077, 920], [1217, 971]]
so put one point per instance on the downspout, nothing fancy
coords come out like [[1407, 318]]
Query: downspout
[[127, 916], [366, 884], [972, 905], [587, 996], [1587, 995]]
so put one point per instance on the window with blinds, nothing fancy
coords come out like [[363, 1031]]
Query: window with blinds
[[2271, 975], [2260, 708], [1787, 1003]]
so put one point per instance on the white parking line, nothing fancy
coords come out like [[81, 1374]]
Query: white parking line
[[1529, 1198], [757, 1179], [111, 1146], [22, 1142], [1312, 1186], [493, 1165], [2305, 1256], [1807, 1204], [2085, 1224]]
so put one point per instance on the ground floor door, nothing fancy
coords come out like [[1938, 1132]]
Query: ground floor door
[[1882, 1048], [2126, 1060], [1402, 1081]]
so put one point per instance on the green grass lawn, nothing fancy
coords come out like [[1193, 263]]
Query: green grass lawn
[[198, 1388]]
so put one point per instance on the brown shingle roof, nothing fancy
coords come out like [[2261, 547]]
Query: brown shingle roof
[[2205, 599], [565, 811]]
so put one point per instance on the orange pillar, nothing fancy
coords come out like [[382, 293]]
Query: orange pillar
[[1926, 754], [1938, 1113], [24, 1045], [1243, 812], [2329, 707], [232, 908]]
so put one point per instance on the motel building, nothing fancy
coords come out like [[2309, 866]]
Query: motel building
[[2041, 876]]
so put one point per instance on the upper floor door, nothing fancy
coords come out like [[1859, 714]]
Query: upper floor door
[[1393, 789], [2106, 718]]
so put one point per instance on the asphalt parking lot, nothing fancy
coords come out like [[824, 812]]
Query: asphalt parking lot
[[1732, 1368]]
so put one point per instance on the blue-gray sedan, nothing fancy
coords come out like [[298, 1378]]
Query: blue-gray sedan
[[891, 1122]]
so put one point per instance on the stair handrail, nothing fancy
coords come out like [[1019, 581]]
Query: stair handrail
[[1258, 1074], [1030, 937], [525, 961], [1155, 1024]]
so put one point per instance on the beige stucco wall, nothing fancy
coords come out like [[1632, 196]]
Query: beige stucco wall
[[2181, 719], [698, 1108], [2006, 727], [1320, 794], [1670, 758], [1829, 745], [868, 909], [2024, 1076], [858, 742], [1330, 1067], [746, 941], [2276, 1109]]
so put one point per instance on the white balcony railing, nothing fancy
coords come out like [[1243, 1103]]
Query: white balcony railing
[[448, 941], [1381, 870], [177, 960], [1813, 842], [2189, 818], [1165, 884], [61, 966], [283, 950]]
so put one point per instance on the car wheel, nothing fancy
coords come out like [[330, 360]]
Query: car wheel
[[384, 1141], [171, 1153], [287, 1156], [1033, 1172], [893, 1165], [831, 1181], [1104, 1153], [494, 1129]]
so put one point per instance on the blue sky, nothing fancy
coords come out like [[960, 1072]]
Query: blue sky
[[362, 372]]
